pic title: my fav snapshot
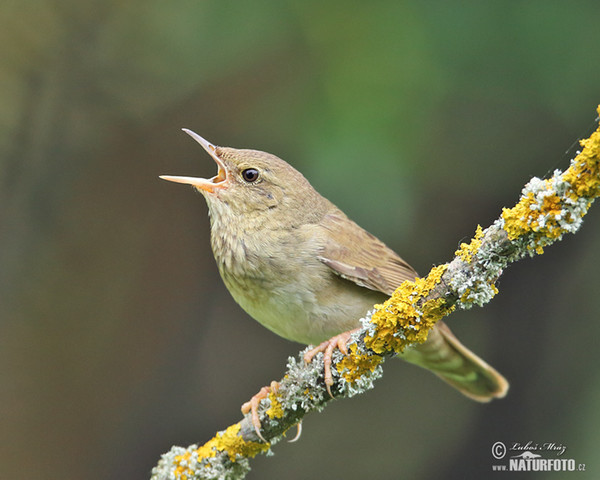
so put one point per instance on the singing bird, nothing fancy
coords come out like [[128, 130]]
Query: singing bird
[[299, 266]]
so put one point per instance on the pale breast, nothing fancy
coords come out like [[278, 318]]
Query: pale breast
[[277, 279]]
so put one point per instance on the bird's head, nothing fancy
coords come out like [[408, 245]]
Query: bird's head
[[251, 182]]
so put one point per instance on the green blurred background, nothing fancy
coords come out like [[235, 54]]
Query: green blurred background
[[419, 119]]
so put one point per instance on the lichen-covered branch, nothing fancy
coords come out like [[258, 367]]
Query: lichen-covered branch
[[547, 209]]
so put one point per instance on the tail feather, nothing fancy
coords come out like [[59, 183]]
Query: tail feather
[[454, 363]]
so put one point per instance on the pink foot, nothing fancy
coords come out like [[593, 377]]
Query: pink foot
[[252, 406], [327, 347]]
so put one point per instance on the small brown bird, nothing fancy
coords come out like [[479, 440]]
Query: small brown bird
[[299, 266]]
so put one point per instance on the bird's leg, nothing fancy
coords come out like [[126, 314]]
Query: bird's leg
[[252, 406], [327, 347]]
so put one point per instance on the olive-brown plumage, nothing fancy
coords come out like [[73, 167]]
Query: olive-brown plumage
[[298, 265]]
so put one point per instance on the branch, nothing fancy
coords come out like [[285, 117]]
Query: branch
[[547, 209]]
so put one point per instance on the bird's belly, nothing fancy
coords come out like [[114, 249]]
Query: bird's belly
[[303, 315]]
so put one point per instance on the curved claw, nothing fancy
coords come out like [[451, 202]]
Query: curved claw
[[298, 433], [251, 406], [327, 347]]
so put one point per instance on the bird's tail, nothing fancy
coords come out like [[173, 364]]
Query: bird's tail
[[454, 363]]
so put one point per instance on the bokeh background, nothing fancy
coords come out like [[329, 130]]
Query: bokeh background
[[420, 119]]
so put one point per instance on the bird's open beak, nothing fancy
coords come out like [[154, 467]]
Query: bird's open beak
[[206, 184]]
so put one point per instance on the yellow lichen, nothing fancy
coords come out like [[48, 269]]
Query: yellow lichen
[[552, 205], [182, 470], [276, 408], [228, 441], [308, 394], [231, 442], [466, 251], [540, 214], [407, 316], [535, 215], [465, 296], [354, 365], [516, 219], [584, 174]]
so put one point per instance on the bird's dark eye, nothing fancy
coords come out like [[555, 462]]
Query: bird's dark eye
[[250, 175]]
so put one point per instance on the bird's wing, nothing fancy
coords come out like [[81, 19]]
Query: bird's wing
[[358, 256]]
